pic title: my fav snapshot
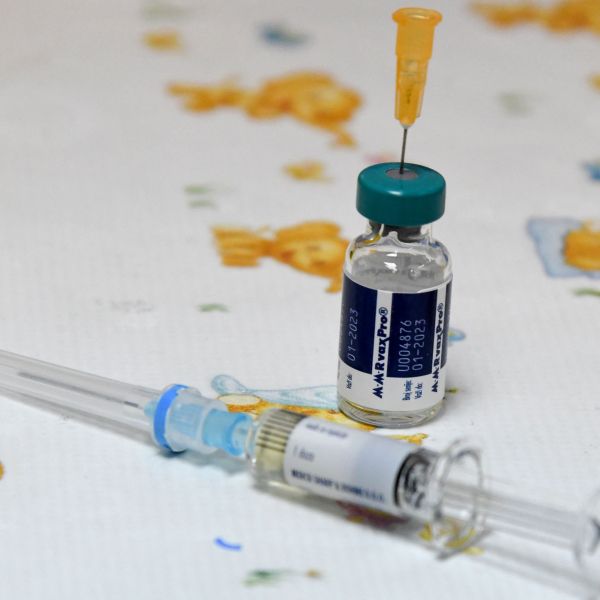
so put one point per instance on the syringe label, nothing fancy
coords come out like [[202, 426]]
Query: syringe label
[[345, 464], [393, 347]]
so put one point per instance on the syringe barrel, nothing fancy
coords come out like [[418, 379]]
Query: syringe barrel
[[332, 460], [75, 391], [444, 490]]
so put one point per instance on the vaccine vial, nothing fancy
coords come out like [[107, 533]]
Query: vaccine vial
[[395, 301]]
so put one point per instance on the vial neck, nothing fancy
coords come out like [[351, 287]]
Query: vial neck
[[418, 233]]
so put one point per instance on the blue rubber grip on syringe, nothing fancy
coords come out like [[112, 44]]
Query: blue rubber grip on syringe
[[182, 419], [161, 412]]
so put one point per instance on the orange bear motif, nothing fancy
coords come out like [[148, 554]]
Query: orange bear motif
[[314, 247]]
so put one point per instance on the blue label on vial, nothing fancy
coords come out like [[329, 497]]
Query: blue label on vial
[[412, 334], [358, 325], [393, 346]]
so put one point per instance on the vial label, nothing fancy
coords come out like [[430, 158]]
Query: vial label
[[345, 464], [393, 347]]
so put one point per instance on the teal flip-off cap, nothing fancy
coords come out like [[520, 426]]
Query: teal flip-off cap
[[414, 197]]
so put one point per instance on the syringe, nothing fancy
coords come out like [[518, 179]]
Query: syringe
[[414, 45], [443, 489]]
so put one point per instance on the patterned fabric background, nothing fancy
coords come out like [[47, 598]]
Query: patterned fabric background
[[178, 184]]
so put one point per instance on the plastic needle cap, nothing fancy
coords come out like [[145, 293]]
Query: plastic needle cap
[[413, 51]]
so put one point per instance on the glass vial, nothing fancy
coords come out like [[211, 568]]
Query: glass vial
[[396, 301], [300, 453]]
